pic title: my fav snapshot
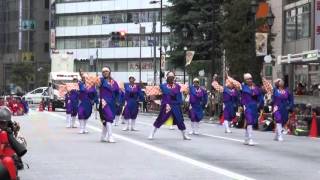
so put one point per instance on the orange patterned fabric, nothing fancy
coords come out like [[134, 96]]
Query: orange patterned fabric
[[92, 80], [235, 83], [153, 90], [217, 86], [72, 86], [184, 88], [267, 85], [62, 90]]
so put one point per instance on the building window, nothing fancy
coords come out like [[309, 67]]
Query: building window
[[46, 4], [106, 42], [297, 23], [46, 25], [303, 21], [109, 18], [46, 47]]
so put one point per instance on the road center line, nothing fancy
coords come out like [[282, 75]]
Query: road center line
[[176, 156]]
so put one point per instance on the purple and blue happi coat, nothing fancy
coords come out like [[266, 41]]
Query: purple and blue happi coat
[[72, 102], [120, 103], [109, 92], [87, 97], [170, 95], [252, 100], [282, 102], [198, 101], [133, 95], [230, 103]]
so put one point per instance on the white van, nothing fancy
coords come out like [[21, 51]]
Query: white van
[[56, 79], [35, 96]]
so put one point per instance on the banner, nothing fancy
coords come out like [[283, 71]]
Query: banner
[[52, 38], [28, 25], [163, 61], [317, 24], [261, 44], [189, 57], [27, 56]]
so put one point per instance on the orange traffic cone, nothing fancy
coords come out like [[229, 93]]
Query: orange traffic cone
[[314, 129], [50, 109], [41, 106], [261, 118], [221, 119]]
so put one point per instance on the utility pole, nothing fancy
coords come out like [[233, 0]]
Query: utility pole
[[160, 42], [154, 50]]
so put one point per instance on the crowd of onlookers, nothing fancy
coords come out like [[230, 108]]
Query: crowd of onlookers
[[16, 104]]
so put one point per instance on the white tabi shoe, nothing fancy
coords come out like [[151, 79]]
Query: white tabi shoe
[[126, 128], [251, 142], [151, 136], [68, 121], [85, 127], [196, 128], [103, 134], [133, 125], [73, 122], [109, 132], [185, 136], [81, 131]]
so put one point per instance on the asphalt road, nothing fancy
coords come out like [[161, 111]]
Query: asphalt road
[[55, 152]]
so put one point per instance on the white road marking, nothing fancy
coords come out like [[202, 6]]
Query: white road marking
[[176, 156], [203, 134]]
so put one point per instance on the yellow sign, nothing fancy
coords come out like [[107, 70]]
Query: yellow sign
[[27, 56]]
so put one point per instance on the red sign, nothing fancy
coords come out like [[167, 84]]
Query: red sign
[[318, 30], [318, 5]]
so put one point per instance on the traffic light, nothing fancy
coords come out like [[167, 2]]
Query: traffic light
[[122, 35], [118, 36]]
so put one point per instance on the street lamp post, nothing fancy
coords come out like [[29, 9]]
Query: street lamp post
[[185, 35], [254, 6], [270, 21], [140, 60], [160, 49]]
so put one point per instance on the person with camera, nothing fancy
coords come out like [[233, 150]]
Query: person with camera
[[133, 95], [11, 150]]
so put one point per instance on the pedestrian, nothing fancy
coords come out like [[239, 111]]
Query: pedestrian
[[282, 103], [198, 101], [109, 96], [170, 106], [133, 95], [252, 101], [87, 97]]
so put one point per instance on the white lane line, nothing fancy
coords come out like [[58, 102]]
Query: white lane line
[[176, 156], [203, 134]]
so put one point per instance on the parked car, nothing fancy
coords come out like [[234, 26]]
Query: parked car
[[35, 96]]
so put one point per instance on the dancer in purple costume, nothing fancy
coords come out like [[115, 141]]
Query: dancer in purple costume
[[282, 103], [252, 100], [109, 96], [170, 106], [198, 101], [87, 97], [133, 95]]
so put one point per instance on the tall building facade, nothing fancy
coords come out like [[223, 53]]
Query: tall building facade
[[297, 29], [86, 29], [24, 37]]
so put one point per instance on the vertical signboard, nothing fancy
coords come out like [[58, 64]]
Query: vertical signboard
[[52, 38], [317, 24]]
